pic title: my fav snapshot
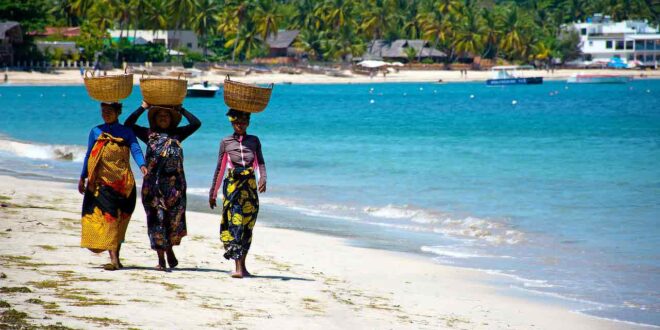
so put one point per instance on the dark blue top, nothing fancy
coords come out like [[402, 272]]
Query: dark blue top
[[117, 130]]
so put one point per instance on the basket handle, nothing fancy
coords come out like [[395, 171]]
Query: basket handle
[[227, 78], [148, 74], [179, 77], [126, 70], [271, 85], [87, 73]]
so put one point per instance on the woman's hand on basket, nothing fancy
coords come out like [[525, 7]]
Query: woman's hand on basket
[[145, 105], [81, 185], [262, 186], [212, 204], [144, 171]]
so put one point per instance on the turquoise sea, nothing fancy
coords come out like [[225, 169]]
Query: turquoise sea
[[555, 186]]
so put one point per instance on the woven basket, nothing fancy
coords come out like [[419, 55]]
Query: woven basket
[[163, 91], [246, 97], [109, 88]]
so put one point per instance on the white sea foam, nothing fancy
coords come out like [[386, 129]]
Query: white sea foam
[[73, 153], [457, 252], [470, 227]]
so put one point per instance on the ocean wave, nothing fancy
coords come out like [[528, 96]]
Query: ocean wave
[[455, 252], [31, 150], [491, 231]]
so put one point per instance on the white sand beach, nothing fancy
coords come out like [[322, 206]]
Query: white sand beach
[[303, 280], [73, 77]]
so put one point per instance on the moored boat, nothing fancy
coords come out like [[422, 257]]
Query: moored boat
[[511, 75], [202, 90], [581, 78]]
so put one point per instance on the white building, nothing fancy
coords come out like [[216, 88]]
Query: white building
[[601, 39], [172, 39]]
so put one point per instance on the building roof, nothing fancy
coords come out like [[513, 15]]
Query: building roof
[[283, 39], [66, 46], [6, 30], [66, 31], [397, 49]]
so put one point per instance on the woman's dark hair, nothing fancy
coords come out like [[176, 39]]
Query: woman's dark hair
[[234, 115], [114, 105]]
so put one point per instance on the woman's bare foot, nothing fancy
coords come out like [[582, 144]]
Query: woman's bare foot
[[161, 265], [171, 259], [110, 267], [236, 275]]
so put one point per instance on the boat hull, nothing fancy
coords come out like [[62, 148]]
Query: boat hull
[[515, 81], [598, 80], [200, 93]]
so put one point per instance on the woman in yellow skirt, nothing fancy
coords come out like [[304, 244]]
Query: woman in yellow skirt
[[108, 185]]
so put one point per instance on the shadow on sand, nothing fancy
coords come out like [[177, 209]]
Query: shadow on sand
[[209, 270]]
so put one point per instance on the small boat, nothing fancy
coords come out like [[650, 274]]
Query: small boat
[[511, 75], [581, 78], [202, 90]]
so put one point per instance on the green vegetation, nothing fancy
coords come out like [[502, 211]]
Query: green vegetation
[[104, 321], [16, 289], [48, 306], [13, 319], [47, 247], [20, 261], [331, 30], [4, 304], [47, 284]]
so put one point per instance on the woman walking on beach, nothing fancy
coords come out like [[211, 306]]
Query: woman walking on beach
[[108, 185], [164, 186], [241, 155]]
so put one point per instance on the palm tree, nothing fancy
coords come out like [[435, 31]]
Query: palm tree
[[335, 13], [240, 10], [434, 27], [267, 17], [514, 24], [490, 25], [183, 12], [102, 14], [344, 43], [246, 42], [156, 15], [469, 33], [205, 13], [311, 41], [378, 18], [304, 17], [81, 7]]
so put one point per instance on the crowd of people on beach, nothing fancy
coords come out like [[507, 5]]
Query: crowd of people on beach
[[108, 184]]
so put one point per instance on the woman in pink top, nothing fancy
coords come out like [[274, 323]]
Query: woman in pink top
[[240, 154]]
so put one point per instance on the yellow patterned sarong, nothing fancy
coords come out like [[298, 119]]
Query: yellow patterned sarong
[[110, 196]]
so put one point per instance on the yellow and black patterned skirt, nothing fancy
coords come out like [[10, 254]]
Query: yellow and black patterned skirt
[[110, 195], [239, 211]]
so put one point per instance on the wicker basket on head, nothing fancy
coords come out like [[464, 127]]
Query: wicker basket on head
[[163, 91], [109, 88], [246, 97]]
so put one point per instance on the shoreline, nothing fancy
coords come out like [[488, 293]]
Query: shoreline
[[73, 77], [422, 300]]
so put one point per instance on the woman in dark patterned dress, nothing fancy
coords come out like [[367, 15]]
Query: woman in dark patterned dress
[[164, 186], [241, 155]]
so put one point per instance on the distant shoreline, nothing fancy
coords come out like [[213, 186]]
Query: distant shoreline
[[73, 77]]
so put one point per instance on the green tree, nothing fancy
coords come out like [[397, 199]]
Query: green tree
[[267, 17], [204, 19]]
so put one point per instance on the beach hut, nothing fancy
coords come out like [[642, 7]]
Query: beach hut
[[281, 44], [10, 34], [397, 50]]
